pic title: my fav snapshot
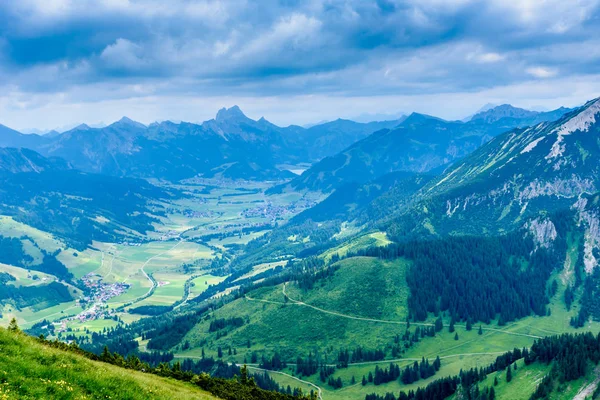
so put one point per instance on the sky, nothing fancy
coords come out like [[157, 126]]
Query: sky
[[63, 62]]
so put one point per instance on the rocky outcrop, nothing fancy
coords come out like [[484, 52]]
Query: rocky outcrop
[[543, 232]]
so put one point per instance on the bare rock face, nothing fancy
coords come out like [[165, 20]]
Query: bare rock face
[[589, 218], [570, 187], [543, 232]]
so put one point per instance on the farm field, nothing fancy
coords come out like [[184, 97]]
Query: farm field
[[153, 270], [228, 214], [201, 283]]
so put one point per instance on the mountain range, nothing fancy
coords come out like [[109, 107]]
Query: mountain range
[[519, 179], [420, 143], [409, 151], [231, 145], [428, 223], [234, 146]]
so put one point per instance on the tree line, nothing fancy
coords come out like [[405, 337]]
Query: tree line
[[570, 356], [475, 278]]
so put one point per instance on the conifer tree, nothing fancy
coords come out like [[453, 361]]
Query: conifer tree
[[13, 326], [439, 324]]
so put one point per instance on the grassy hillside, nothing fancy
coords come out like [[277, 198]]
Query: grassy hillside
[[363, 303], [272, 324], [525, 380], [30, 370]]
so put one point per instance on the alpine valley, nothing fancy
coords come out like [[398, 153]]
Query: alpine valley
[[415, 258]]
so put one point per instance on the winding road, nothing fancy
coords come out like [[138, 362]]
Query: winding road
[[149, 277]]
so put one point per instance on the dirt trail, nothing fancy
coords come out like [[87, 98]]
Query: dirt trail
[[589, 389], [382, 321], [319, 391]]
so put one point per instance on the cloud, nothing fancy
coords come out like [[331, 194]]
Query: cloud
[[541, 72], [123, 54], [284, 48], [484, 57], [490, 57]]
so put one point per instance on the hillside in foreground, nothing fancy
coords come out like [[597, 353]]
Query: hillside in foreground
[[31, 370]]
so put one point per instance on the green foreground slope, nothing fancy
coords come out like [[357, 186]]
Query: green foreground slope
[[30, 370]]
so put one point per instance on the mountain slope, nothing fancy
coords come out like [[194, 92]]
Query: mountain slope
[[11, 138], [76, 206], [353, 199], [24, 160], [33, 370], [420, 143], [517, 180], [332, 137]]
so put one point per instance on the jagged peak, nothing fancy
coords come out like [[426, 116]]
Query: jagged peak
[[166, 122], [225, 114]]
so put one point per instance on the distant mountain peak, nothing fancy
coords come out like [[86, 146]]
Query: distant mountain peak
[[225, 114], [125, 121], [418, 117], [82, 127], [503, 111], [487, 107]]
